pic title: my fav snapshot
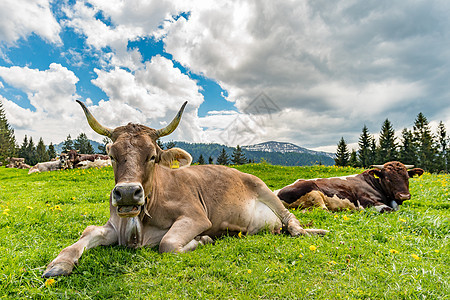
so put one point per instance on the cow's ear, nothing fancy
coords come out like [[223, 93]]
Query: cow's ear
[[175, 158], [375, 173], [414, 172], [108, 147]]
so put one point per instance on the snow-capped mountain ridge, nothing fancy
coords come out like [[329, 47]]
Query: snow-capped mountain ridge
[[273, 146]]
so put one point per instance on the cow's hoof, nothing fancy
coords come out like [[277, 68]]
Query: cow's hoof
[[383, 208], [58, 269], [204, 239], [295, 229]]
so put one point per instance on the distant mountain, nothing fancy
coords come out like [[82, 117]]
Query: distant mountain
[[275, 153], [284, 148]]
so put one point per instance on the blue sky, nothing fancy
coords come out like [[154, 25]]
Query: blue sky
[[36, 53], [328, 68]]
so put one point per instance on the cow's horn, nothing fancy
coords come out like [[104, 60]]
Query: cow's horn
[[377, 166], [173, 125], [95, 125], [409, 166]]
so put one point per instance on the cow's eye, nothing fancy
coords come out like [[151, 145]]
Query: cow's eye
[[153, 157], [150, 158]]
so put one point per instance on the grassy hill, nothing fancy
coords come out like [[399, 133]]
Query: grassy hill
[[366, 255]]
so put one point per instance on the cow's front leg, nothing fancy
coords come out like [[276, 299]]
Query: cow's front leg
[[185, 235], [92, 236]]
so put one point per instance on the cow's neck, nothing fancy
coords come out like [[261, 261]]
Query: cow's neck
[[152, 183], [375, 183]]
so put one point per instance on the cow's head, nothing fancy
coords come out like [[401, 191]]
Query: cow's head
[[394, 179], [135, 155]]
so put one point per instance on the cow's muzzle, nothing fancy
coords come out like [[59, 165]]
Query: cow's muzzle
[[128, 198], [400, 197]]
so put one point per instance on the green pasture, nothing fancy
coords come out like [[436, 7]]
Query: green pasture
[[366, 255]]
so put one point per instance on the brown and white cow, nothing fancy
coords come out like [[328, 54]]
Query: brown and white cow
[[77, 160], [177, 209], [384, 187]]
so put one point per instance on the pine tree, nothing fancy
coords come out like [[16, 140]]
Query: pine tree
[[407, 154], [426, 151], [160, 144], [51, 151], [170, 145], [388, 145], [31, 153], [364, 153], [210, 160], [373, 152], [41, 152], [442, 147], [238, 156], [223, 158], [83, 145], [23, 149], [201, 160], [342, 154], [67, 144], [7, 138], [353, 161], [102, 147]]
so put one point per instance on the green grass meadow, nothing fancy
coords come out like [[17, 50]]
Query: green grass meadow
[[366, 255]]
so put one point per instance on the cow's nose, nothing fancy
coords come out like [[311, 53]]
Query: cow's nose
[[403, 196], [128, 194]]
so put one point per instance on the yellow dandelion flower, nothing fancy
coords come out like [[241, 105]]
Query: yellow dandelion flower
[[73, 198], [30, 208], [415, 256], [336, 216], [402, 220], [240, 234], [249, 271], [332, 262], [49, 282], [300, 255], [437, 251], [48, 205], [57, 207], [5, 213], [345, 217], [393, 251], [312, 248]]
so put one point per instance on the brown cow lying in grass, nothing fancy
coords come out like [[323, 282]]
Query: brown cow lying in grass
[[384, 187]]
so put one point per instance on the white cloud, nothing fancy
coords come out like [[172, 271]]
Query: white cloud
[[51, 93], [151, 96], [20, 18], [331, 67], [125, 21]]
